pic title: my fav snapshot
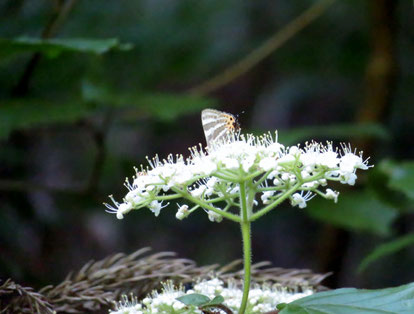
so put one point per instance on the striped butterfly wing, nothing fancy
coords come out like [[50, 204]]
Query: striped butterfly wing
[[217, 125]]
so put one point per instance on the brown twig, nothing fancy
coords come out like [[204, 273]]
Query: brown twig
[[61, 12], [380, 82], [263, 51], [99, 137]]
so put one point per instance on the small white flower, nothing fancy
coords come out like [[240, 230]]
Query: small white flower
[[230, 163], [273, 174], [182, 212], [275, 148], [349, 162], [310, 158], [348, 178], [266, 195], [286, 160], [214, 217], [198, 192], [208, 167], [329, 159], [247, 163], [331, 195], [298, 199], [285, 176], [156, 207], [267, 163], [123, 209], [323, 182], [212, 182], [311, 185], [277, 182], [294, 150]]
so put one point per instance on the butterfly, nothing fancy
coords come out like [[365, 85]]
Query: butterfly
[[218, 125]]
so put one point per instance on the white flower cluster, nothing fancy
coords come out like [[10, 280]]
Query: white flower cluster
[[262, 298], [157, 302], [212, 180]]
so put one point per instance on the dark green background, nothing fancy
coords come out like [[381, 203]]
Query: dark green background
[[72, 129]]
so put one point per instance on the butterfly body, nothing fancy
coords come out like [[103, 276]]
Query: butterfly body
[[218, 125]]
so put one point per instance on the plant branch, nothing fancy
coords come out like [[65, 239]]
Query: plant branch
[[188, 196], [99, 137], [49, 31], [263, 51], [277, 202]]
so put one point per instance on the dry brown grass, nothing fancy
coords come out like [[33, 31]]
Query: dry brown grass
[[97, 284]]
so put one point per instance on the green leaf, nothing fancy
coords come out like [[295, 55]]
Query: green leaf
[[338, 131], [54, 47], [216, 300], [359, 211], [385, 249], [355, 301], [194, 299], [401, 176], [162, 106], [26, 113]]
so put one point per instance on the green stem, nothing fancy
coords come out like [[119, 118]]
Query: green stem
[[277, 202], [247, 250], [199, 202], [167, 197], [263, 178]]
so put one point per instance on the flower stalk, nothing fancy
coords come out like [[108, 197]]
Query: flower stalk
[[247, 260]]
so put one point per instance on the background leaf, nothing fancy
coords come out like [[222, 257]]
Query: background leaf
[[54, 47], [358, 211], [26, 113], [355, 301], [401, 176], [162, 106], [386, 249]]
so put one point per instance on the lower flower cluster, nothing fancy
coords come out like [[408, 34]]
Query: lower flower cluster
[[263, 298]]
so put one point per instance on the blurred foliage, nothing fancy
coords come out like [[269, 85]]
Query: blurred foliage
[[386, 249], [19, 114], [400, 176], [356, 211], [116, 76], [162, 106], [52, 48]]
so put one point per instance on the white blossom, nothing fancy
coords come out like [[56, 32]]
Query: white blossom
[[211, 176], [262, 298], [298, 199], [332, 195], [266, 196], [214, 217], [156, 207], [182, 212], [348, 178]]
